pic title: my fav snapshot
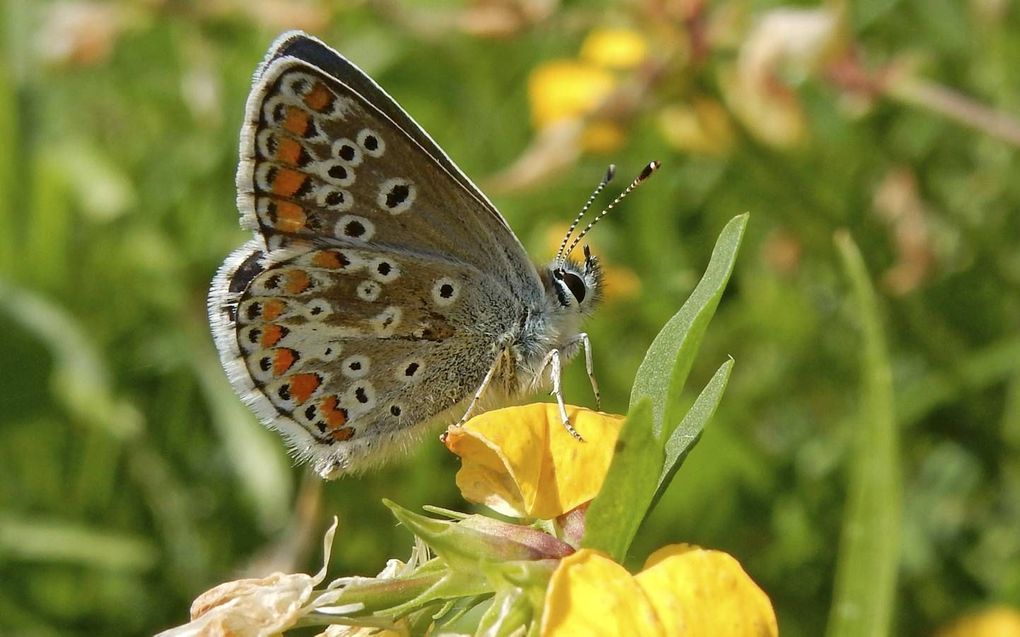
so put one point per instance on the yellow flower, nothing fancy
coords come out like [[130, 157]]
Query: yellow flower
[[614, 48], [566, 89], [619, 284], [521, 461], [997, 621], [682, 590]]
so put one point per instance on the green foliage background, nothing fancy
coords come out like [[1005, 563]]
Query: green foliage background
[[131, 478]]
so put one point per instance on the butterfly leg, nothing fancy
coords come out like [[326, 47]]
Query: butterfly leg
[[554, 374], [586, 344], [481, 390]]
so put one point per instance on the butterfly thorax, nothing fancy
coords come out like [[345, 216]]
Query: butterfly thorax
[[571, 292]]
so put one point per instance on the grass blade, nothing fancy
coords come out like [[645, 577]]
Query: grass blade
[[868, 560]]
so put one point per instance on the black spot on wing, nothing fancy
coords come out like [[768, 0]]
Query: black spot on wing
[[248, 270]]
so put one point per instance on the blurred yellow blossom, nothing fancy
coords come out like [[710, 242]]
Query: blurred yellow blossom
[[702, 127], [619, 284], [996, 621], [682, 590], [573, 89], [614, 48], [602, 136], [566, 89], [521, 462]]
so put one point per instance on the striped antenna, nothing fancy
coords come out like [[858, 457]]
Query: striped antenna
[[610, 173], [645, 174]]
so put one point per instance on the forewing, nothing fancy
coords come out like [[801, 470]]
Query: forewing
[[319, 159], [315, 52]]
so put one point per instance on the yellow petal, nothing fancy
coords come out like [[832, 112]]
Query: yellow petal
[[521, 461], [997, 621], [614, 48], [591, 595], [566, 89], [701, 592]]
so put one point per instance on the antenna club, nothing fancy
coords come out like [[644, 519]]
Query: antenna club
[[649, 169], [610, 173]]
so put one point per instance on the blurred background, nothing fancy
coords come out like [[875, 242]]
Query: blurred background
[[132, 478]]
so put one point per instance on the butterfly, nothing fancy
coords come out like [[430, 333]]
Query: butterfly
[[381, 289]]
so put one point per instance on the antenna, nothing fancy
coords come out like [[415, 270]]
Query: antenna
[[610, 173], [645, 174]]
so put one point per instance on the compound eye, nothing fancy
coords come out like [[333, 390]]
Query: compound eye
[[576, 285]]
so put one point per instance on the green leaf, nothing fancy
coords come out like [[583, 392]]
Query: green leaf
[[686, 435], [617, 511], [865, 589], [663, 372]]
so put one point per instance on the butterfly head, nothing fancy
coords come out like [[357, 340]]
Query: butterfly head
[[575, 285]]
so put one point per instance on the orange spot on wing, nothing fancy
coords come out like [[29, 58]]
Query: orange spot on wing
[[333, 259], [288, 182], [272, 309], [297, 281], [303, 385], [335, 417], [290, 217], [288, 150], [283, 359], [297, 121], [271, 335], [343, 433], [319, 97]]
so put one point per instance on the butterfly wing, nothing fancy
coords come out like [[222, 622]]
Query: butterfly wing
[[321, 159], [348, 351], [380, 280], [315, 52]]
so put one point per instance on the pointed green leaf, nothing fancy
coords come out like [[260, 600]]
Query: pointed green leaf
[[664, 370], [686, 435], [616, 512], [865, 590]]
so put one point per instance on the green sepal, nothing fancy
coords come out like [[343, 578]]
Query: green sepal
[[463, 544]]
